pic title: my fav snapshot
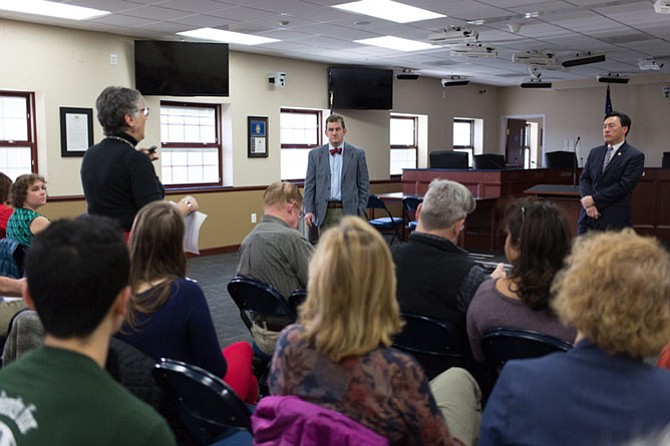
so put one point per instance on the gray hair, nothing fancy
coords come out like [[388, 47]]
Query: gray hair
[[445, 203], [113, 104]]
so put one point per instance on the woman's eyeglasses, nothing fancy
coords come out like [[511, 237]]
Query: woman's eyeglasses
[[144, 110]]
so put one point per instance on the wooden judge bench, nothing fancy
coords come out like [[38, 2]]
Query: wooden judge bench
[[493, 189]]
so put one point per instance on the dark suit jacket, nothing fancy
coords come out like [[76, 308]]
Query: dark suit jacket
[[612, 190], [581, 398], [355, 181]]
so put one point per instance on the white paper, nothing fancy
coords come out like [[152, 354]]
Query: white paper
[[258, 145], [77, 131], [193, 222]]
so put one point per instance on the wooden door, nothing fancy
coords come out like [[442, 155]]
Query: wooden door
[[514, 148]]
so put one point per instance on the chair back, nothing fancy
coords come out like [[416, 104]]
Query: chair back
[[436, 344], [208, 406], [385, 224], [410, 203], [489, 161], [297, 298], [499, 345], [448, 159], [255, 296]]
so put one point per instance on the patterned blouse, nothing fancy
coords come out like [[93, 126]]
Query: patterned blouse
[[18, 225], [385, 390]]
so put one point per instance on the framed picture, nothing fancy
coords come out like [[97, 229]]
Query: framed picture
[[76, 130], [258, 136]]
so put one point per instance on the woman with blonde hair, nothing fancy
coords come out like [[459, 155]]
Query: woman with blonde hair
[[168, 315], [339, 355], [615, 290]]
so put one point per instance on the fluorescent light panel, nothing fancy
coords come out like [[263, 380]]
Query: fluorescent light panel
[[220, 35], [51, 9], [396, 43], [389, 10]]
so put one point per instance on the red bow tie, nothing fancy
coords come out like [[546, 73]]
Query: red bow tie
[[337, 150]]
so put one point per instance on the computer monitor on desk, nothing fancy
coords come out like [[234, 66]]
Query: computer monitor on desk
[[448, 159], [560, 159], [489, 161]]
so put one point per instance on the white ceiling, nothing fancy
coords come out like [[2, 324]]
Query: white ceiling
[[624, 30]]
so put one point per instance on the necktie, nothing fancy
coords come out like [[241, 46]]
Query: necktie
[[336, 151], [608, 156]]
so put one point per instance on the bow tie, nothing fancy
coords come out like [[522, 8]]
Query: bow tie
[[337, 150]]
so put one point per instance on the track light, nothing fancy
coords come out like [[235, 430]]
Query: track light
[[584, 58], [613, 78]]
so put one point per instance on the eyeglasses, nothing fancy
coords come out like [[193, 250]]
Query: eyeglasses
[[144, 110]]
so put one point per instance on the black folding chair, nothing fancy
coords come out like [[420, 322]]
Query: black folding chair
[[259, 301], [388, 224], [436, 344], [208, 406], [255, 298], [499, 345], [297, 298], [410, 203]]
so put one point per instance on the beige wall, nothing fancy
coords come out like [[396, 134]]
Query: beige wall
[[68, 68], [579, 111]]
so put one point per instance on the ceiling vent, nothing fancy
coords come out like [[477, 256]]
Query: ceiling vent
[[662, 7], [473, 50], [584, 58], [453, 36], [649, 64]]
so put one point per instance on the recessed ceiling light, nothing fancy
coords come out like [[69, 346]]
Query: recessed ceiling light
[[52, 9], [220, 35], [389, 10], [396, 43]]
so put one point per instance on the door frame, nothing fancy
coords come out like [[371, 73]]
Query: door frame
[[539, 150]]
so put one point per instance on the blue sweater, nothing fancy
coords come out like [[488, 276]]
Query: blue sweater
[[181, 329]]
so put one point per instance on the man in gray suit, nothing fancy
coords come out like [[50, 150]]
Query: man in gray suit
[[336, 183]]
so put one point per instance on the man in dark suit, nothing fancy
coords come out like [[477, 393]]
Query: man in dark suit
[[611, 173], [336, 183]]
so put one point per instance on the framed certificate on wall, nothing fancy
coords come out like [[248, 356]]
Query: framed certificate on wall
[[257, 136]]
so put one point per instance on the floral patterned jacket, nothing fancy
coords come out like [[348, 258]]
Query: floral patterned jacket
[[385, 390]]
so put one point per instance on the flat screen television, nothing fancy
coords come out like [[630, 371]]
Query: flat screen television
[[360, 88], [181, 68]]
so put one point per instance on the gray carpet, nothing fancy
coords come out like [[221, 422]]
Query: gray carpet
[[213, 274]]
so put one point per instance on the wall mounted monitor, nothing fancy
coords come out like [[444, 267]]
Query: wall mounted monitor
[[181, 68], [360, 88]]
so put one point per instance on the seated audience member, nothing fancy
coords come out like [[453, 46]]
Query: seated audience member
[[436, 278], [169, 316], [59, 394], [275, 253], [338, 356], [5, 209], [538, 240], [615, 290], [29, 193]]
